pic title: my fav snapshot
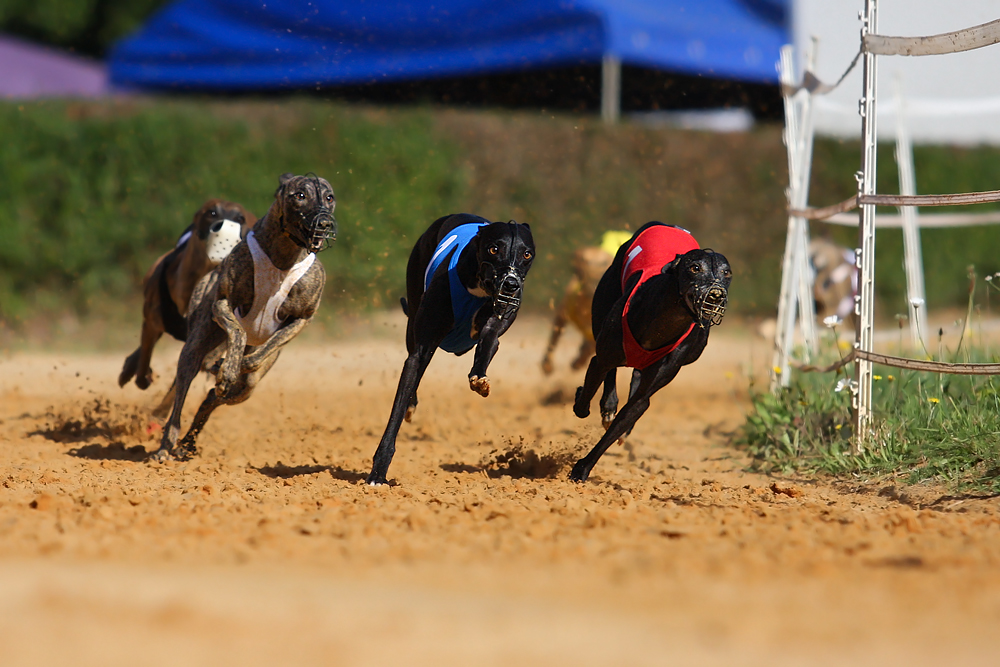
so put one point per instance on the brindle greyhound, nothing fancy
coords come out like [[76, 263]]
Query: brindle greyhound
[[216, 229], [261, 296], [653, 310], [463, 284]]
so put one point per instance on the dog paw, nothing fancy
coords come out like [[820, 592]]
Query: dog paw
[[580, 472], [185, 451], [143, 381], [580, 410], [409, 413], [480, 385], [607, 418], [161, 456], [376, 480]]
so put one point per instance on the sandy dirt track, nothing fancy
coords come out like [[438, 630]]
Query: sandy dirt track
[[269, 549]]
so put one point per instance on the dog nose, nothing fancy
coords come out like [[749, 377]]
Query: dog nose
[[217, 227], [510, 284]]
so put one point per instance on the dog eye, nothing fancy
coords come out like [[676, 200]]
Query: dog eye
[[240, 219], [695, 268], [213, 214], [329, 198], [527, 254], [300, 195], [494, 250]]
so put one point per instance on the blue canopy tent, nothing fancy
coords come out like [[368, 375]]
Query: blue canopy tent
[[244, 45]]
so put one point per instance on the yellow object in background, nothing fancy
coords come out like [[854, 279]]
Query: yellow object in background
[[611, 241]]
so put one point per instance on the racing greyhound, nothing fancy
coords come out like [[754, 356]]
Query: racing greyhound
[[652, 311], [464, 282]]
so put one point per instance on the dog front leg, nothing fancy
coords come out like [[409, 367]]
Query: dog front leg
[[649, 383], [273, 345], [486, 349], [409, 380], [229, 372]]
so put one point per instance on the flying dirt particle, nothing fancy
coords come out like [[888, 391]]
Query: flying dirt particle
[[790, 491], [42, 501]]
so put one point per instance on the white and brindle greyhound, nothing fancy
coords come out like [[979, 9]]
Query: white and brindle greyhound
[[261, 296]]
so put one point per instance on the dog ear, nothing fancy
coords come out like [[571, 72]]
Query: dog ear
[[282, 180], [670, 266]]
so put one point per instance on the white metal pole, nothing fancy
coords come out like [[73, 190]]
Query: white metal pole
[[911, 224], [866, 241], [787, 301], [807, 303], [611, 88]]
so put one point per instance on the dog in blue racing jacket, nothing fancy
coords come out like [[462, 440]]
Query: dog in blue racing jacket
[[464, 283]]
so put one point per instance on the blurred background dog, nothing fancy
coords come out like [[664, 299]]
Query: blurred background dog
[[589, 264], [835, 279], [217, 228]]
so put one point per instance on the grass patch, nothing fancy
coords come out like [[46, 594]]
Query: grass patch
[[928, 427]]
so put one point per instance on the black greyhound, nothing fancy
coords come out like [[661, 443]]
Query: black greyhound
[[463, 290], [653, 310]]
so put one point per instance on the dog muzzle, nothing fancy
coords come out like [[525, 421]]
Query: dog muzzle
[[507, 293], [710, 304], [317, 234], [222, 237]]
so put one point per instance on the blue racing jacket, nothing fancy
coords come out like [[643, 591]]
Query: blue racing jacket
[[463, 305]]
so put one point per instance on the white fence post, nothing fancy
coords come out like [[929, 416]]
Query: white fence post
[[795, 300], [866, 240], [913, 258]]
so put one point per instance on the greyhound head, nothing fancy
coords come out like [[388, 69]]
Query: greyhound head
[[703, 278], [305, 211], [505, 252], [221, 225]]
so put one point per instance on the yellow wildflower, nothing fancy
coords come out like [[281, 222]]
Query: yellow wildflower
[[777, 370], [934, 400], [876, 377]]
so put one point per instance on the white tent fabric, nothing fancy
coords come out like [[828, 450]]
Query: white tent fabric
[[950, 99]]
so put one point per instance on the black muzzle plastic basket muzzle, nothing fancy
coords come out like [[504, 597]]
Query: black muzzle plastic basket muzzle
[[710, 304]]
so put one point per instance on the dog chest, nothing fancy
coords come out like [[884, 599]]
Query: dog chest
[[270, 290]]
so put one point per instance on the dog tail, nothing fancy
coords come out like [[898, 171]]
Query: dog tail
[[402, 302]]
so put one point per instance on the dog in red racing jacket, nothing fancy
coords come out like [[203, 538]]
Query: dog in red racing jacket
[[652, 311]]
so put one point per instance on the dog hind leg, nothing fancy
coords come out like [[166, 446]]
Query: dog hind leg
[[411, 408], [587, 349], [188, 366], [129, 367], [596, 373], [409, 380], [163, 408], [557, 327]]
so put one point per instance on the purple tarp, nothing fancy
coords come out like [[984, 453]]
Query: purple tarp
[[28, 70]]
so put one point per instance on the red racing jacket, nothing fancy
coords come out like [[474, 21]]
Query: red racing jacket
[[654, 248]]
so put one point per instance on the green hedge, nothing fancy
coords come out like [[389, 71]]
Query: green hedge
[[92, 192]]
